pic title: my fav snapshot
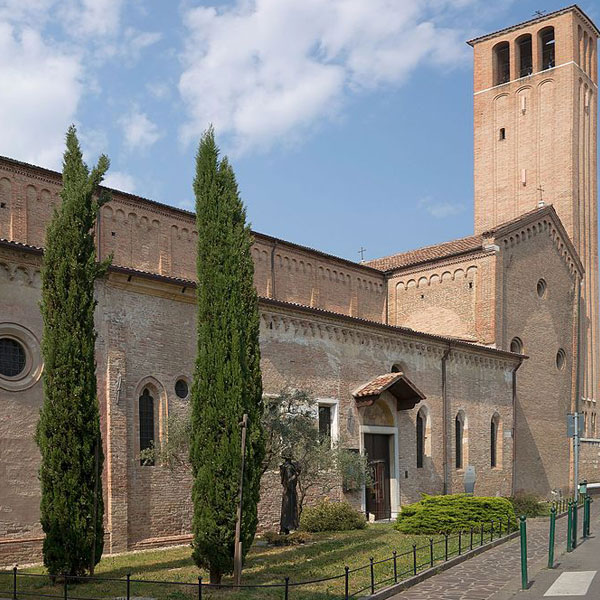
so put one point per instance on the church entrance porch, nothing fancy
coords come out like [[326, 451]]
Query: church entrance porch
[[377, 448]]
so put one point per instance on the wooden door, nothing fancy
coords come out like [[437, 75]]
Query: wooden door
[[377, 447]]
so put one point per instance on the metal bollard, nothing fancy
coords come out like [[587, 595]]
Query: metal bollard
[[551, 538], [523, 529], [569, 527]]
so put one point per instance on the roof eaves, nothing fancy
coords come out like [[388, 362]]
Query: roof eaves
[[539, 19]]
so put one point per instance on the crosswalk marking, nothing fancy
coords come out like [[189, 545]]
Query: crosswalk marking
[[571, 583]]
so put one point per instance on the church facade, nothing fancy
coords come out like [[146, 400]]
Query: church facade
[[468, 353]]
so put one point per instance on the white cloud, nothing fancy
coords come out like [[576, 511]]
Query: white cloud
[[264, 70], [158, 89], [40, 91], [440, 209], [91, 17], [139, 131], [119, 180], [135, 42]]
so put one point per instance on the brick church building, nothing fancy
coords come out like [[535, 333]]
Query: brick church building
[[469, 352]]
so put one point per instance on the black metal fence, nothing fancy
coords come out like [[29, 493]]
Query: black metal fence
[[352, 583]]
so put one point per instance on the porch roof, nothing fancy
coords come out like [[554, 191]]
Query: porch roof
[[407, 394]]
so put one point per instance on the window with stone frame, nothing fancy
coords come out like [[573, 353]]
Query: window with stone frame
[[459, 432]]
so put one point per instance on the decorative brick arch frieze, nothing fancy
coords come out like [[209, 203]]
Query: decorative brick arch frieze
[[390, 341], [443, 274], [547, 226]]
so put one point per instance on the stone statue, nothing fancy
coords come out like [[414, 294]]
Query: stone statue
[[289, 471]]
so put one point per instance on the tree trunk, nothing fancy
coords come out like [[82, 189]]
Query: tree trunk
[[215, 576]]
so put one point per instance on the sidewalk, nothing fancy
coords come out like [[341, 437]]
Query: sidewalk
[[496, 574]]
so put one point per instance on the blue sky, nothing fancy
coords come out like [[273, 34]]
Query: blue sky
[[348, 122]]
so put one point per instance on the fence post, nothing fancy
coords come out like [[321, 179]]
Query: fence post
[[481, 543], [551, 539], [414, 559], [471, 540], [395, 568], [575, 510], [446, 546], [372, 577], [199, 588], [569, 527], [346, 582], [492, 531], [287, 588], [65, 587], [431, 552], [523, 530], [459, 543], [128, 586], [14, 583]]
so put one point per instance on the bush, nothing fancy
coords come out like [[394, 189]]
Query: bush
[[292, 539], [528, 505], [452, 513], [331, 516]]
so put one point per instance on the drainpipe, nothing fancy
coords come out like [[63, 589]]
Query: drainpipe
[[513, 484], [445, 418], [577, 392]]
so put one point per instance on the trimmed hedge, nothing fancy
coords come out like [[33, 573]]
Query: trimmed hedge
[[331, 516], [453, 513], [528, 505]]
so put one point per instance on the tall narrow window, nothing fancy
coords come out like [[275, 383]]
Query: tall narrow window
[[325, 424], [146, 410], [494, 441], [525, 57], [420, 439], [547, 48], [458, 440], [501, 63]]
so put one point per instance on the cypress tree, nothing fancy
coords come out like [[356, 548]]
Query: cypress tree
[[68, 432], [227, 379]]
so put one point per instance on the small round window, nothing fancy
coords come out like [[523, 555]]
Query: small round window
[[541, 288], [181, 388], [12, 357], [516, 346], [561, 358]]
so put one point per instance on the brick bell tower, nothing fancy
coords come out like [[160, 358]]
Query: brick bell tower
[[535, 133]]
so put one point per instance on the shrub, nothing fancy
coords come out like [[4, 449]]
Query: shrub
[[452, 513], [292, 539], [528, 505], [331, 516]]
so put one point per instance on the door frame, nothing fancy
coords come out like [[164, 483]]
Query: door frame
[[392, 432]]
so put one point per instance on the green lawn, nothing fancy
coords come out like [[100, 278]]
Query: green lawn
[[325, 556]]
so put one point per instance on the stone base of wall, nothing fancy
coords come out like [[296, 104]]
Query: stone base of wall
[[20, 551]]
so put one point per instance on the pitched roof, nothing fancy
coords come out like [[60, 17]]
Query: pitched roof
[[405, 392], [539, 19], [464, 245]]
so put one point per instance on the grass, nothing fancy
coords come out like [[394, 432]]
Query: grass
[[323, 557]]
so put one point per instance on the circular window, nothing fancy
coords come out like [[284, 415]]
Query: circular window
[[12, 357], [181, 388], [541, 288], [516, 346], [561, 358]]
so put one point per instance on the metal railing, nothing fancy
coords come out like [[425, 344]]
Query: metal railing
[[352, 583]]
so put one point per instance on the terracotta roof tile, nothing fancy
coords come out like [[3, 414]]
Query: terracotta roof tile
[[414, 257], [378, 385]]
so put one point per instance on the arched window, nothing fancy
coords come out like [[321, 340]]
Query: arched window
[[547, 48], [146, 416], [524, 55], [516, 345], [397, 368], [501, 64], [423, 431], [459, 440], [494, 438]]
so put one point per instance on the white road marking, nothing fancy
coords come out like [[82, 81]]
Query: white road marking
[[574, 583]]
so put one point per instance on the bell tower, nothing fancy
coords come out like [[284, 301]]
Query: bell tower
[[535, 135]]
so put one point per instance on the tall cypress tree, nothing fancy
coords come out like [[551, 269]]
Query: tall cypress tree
[[68, 432], [227, 378]]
